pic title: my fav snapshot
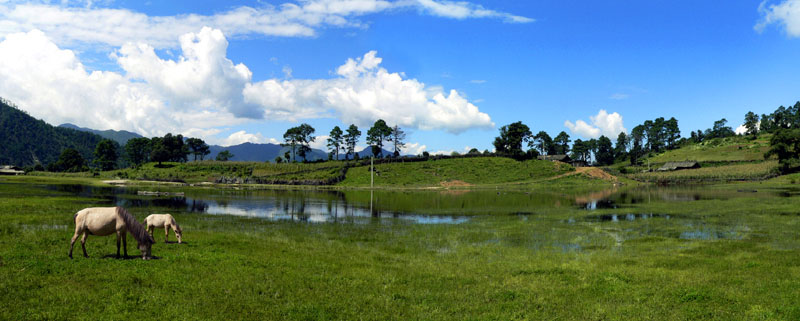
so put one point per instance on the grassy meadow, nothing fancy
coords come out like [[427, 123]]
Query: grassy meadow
[[739, 260]]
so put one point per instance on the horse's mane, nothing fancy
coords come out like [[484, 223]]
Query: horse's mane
[[134, 227]]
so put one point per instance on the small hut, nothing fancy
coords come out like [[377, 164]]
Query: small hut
[[674, 166], [11, 170]]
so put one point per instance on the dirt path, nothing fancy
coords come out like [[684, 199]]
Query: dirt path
[[592, 172]]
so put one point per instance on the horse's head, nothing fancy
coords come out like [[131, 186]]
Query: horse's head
[[145, 247], [179, 234]]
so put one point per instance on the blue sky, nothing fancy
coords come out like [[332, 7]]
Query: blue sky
[[451, 73]]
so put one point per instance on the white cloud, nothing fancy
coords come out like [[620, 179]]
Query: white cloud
[[202, 90], [242, 137], [619, 96], [477, 81], [741, 130], [51, 83], [202, 76], [364, 92], [414, 149], [609, 125], [785, 14], [449, 152], [320, 142], [464, 10], [116, 27]]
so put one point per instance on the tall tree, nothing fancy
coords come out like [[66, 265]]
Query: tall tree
[[377, 134], [562, 143], [720, 130], [637, 143], [767, 125], [291, 138], [605, 152], [580, 150], [224, 156], [621, 149], [106, 155], [672, 132], [785, 144], [159, 151], [175, 147], [305, 132], [751, 123], [398, 138], [351, 139], [335, 141], [70, 160], [198, 147], [543, 143], [511, 138], [591, 146], [138, 150]]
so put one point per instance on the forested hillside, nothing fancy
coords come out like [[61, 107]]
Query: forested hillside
[[119, 136], [26, 140]]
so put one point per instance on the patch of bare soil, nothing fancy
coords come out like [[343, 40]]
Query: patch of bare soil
[[597, 173], [454, 183]]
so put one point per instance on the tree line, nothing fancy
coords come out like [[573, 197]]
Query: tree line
[[298, 139]]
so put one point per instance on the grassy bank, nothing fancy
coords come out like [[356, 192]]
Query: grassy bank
[[449, 173], [544, 265]]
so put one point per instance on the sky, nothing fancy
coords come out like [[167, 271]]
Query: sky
[[450, 73]]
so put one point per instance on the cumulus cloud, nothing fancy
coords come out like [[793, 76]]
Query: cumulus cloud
[[785, 14], [203, 76], [202, 90], [414, 149], [609, 125], [364, 92], [242, 137], [116, 27]]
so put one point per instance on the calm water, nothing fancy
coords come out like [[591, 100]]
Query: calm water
[[561, 221], [426, 207]]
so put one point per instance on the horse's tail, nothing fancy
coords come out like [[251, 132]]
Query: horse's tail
[[136, 229]]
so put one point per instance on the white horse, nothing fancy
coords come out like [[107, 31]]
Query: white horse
[[103, 221], [166, 222]]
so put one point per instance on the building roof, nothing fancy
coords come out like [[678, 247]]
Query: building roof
[[10, 170], [671, 166]]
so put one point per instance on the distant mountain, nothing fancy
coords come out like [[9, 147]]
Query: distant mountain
[[120, 136], [250, 152], [25, 139]]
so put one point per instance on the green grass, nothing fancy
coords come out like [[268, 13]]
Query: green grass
[[537, 266], [730, 149], [472, 171], [734, 172]]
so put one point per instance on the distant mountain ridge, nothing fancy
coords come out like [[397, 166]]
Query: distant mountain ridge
[[26, 140], [120, 136]]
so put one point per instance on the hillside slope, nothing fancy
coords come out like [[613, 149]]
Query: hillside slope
[[120, 136], [26, 140]]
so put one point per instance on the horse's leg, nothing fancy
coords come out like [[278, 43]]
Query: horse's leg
[[125, 242], [72, 243], [83, 244], [118, 237], [166, 233]]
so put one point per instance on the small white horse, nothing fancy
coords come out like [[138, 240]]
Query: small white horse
[[166, 222], [103, 221]]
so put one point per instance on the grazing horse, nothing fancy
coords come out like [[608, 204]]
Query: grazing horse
[[103, 221], [166, 221]]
